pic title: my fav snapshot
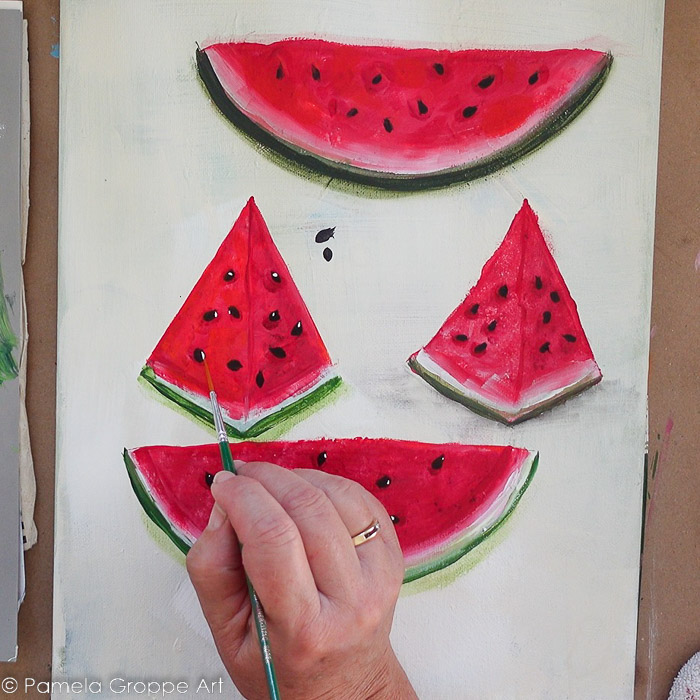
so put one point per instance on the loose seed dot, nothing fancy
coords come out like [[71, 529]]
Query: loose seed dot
[[275, 277], [298, 329], [278, 352], [321, 458], [487, 81], [209, 478], [422, 107], [377, 79], [460, 337], [229, 276], [327, 254], [198, 355], [280, 72], [554, 296], [395, 519], [544, 347], [274, 316], [480, 348], [474, 309], [469, 111], [439, 68], [260, 379], [210, 315], [315, 73], [388, 125], [383, 482], [351, 112], [569, 338], [538, 283], [234, 365], [492, 325], [234, 312], [546, 317], [534, 78], [438, 462], [503, 291]]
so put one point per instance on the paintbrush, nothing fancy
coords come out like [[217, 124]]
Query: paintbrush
[[258, 613]]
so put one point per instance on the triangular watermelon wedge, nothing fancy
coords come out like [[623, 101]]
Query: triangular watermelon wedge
[[515, 346], [399, 118], [246, 316], [443, 499]]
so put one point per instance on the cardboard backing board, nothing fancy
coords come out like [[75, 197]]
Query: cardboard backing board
[[669, 623]]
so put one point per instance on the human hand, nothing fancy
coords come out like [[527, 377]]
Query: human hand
[[328, 604]]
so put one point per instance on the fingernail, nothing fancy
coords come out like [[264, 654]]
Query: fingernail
[[217, 518], [223, 476]]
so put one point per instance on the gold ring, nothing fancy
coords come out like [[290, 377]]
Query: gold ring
[[367, 534]]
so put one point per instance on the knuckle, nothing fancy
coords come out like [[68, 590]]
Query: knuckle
[[195, 563], [272, 530], [305, 499]]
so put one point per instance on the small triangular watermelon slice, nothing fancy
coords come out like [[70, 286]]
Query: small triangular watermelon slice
[[247, 317], [515, 346], [394, 117], [443, 499]]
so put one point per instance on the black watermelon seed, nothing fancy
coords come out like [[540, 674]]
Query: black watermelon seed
[[383, 482], [492, 325], [461, 338], [469, 111], [327, 254], [260, 379], [395, 519], [487, 81], [233, 311], [208, 478], [546, 317], [377, 79], [422, 107], [315, 73], [278, 352], [297, 330], [198, 355], [438, 462], [280, 72], [210, 315], [544, 347], [480, 348], [234, 365], [274, 315], [503, 291], [569, 338], [439, 68], [351, 112], [275, 277], [325, 235], [474, 309], [229, 276], [538, 283], [554, 296], [321, 458], [534, 78], [388, 125]]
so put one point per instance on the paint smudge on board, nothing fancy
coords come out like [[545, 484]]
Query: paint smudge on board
[[55, 50], [697, 262], [654, 469]]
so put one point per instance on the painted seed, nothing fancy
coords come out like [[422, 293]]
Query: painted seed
[[438, 462], [460, 337], [487, 81], [278, 352], [321, 458], [439, 68], [492, 325], [377, 79], [534, 78], [503, 291], [422, 107], [199, 355], [229, 276], [315, 73], [280, 72], [274, 316], [546, 317], [351, 112], [233, 311], [395, 519], [388, 125], [327, 254], [474, 309], [297, 330], [480, 348], [544, 347], [538, 283], [208, 478], [234, 365], [469, 111], [210, 315], [275, 277], [554, 296], [383, 482], [569, 338], [260, 379]]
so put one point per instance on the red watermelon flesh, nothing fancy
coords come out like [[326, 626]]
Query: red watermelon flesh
[[443, 498], [515, 346], [247, 317], [399, 117]]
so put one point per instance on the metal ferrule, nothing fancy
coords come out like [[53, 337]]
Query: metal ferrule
[[218, 418]]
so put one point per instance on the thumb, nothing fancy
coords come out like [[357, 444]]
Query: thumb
[[216, 571]]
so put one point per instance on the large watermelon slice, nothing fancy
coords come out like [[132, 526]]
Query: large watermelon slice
[[247, 317], [394, 117], [515, 346], [443, 499]]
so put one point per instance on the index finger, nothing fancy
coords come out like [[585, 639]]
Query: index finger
[[272, 549]]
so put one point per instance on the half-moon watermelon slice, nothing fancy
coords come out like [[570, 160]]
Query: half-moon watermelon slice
[[443, 499], [394, 117], [247, 317], [515, 346]]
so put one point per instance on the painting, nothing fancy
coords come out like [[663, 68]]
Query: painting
[[367, 224], [8, 341]]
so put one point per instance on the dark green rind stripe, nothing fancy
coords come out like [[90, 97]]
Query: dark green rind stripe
[[149, 505], [406, 183], [430, 567], [272, 419], [472, 404]]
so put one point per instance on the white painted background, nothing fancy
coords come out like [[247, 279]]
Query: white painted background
[[152, 177]]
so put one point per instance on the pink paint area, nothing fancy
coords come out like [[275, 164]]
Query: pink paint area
[[396, 110]]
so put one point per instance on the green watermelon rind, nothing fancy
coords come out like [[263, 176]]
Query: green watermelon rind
[[472, 402], [267, 422], [457, 551], [535, 138], [412, 573]]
